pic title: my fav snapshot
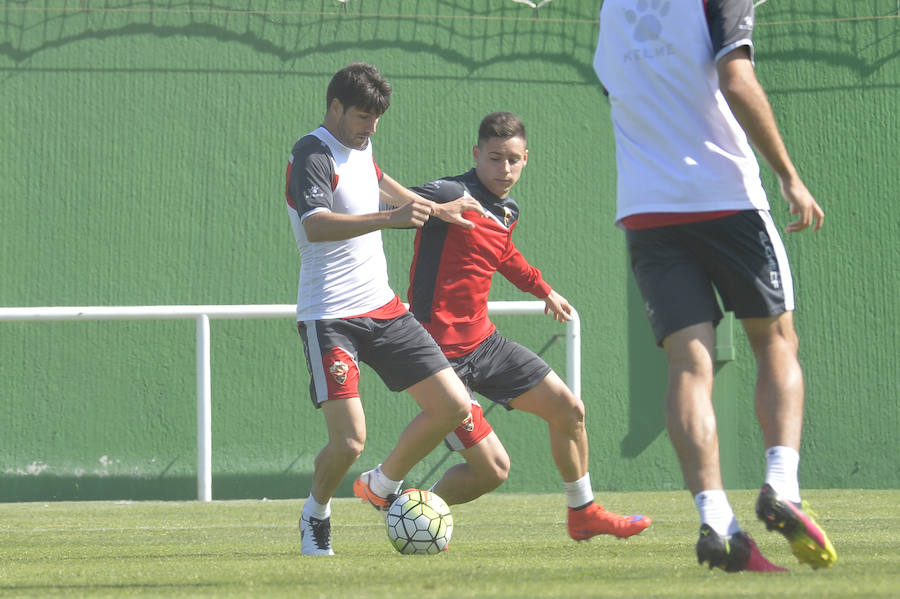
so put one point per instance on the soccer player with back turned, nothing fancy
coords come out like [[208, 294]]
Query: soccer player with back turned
[[684, 100]]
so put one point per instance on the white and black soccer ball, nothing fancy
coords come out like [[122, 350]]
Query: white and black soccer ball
[[419, 523]]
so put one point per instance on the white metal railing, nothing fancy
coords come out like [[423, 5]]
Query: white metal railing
[[202, 315]]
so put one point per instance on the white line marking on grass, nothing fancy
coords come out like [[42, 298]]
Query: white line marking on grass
[[76, 528]]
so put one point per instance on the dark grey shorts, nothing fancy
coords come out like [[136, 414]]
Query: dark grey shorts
[[500, 370], [680, 268], [399, 349]]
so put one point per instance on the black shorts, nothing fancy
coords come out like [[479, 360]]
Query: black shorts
[[500, 370], [680, 268], [399, 349]]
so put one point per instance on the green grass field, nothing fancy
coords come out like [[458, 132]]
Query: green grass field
[[504, 545]]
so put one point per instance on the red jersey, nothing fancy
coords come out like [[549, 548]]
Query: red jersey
[[450, 276]]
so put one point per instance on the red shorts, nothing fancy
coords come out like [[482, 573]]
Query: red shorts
[[472, 430]]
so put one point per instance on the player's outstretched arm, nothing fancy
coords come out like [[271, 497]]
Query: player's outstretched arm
[[558, 306], [397, 195], [332, 226], [452, 212], [751, 108], [410, 210]]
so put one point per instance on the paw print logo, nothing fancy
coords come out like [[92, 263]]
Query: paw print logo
[[646, 24]]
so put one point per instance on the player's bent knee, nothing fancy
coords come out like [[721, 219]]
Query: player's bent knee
[[460, 413], [501, 471], [492, 475], [491, 483], [442, 396], [576, 410], [449, 412], [789, 341], [569, 416], [458, 404], [350, 448]]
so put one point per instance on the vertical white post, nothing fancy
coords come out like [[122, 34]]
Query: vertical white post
[[204, 412], [573, 353]]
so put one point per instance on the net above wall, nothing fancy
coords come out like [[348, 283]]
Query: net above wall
[[27, 27]]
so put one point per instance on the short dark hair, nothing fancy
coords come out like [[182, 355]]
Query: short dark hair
[[501, 124], [360, 85]]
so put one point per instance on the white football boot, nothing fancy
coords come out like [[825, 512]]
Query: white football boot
[[315, 536]]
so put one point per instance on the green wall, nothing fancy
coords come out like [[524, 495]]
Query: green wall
[[142, 155]]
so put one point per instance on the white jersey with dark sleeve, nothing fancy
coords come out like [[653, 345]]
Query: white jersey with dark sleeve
[[730, 25], [337, 278], [679, 147]]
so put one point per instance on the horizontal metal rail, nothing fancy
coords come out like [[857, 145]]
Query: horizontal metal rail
[[203, 314]]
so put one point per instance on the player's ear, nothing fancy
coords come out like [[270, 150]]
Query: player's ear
[[336, 107], [525, 157], [475, 153]]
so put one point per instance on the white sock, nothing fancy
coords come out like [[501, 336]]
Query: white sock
[[579, 492], [716, 511], [380, 484], [315, 509], [781, 471]]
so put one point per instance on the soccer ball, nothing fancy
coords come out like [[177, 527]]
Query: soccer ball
[[419, 523]]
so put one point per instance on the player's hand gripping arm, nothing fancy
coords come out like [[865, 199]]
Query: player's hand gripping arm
[[558, 306], [451, 212], [409, 211], [750, 106], [332, 226]]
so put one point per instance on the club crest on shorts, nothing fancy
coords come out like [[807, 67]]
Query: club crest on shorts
[[468, 423], [339, 371]]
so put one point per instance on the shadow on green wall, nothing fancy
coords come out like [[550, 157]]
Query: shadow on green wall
[[46, 487], [647, 374], [646, 378]]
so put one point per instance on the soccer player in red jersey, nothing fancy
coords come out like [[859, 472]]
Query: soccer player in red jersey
[[450, 279]]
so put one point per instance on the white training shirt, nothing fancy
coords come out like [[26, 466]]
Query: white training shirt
[[678, 146], [337, 278]]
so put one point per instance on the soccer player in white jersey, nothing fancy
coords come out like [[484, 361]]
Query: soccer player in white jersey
[[346, 311], [684, 100]]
